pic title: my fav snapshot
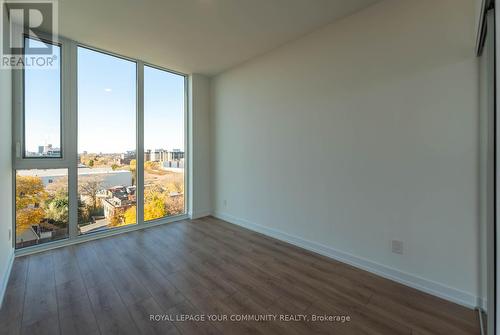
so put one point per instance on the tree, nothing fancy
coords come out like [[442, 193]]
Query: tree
[[90, 187], [133, 165], [149, 165], [30, 195], [175, 202], [57, 209], [130, 215], [83, 213], [154, 203], [117, 219], [114, 167], [91, 163], [175, 205], [154, 208], [175, 187]]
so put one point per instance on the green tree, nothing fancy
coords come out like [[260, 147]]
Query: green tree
[[57, 209], [91, 163], [83, 212]]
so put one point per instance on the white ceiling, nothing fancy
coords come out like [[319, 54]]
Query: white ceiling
[[196, 36]]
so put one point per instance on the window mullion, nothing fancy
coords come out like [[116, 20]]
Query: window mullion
[[18, 122], [140, 143], [70, 137]]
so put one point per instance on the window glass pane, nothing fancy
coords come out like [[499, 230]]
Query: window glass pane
[[42, 107], [41, 206], [163, 143], [106, 141]]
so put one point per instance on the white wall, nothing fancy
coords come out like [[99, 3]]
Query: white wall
[[199, 151], [6, 250], [357, 134]]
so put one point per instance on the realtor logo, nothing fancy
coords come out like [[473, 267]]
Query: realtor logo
[[36, 19]]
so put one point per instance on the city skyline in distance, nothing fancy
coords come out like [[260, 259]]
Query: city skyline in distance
[[85, 152], [53, 148]]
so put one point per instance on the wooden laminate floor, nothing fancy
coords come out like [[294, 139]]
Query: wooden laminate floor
[[209, 267]]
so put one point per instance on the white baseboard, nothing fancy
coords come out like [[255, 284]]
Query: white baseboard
[[416, 282], [483, 303], [6, 275], [200, 214]]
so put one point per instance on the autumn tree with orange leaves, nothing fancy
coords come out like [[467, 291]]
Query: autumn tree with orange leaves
[[30, 195]]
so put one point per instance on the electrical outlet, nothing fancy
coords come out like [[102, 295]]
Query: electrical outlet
[[225, 203], [397, 247], [10, 234]]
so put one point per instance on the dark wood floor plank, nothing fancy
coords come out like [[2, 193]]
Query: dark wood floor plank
[[424, 321], [131, 290], [12, 310], [78, 317], [71, 292], [109, 309], [160, 288], [66, 272], [19, 272], [205, 267], [283, 306], [190, 327], [242, 304], [141, 313], [40, 302], [48, 325], [13, 303]]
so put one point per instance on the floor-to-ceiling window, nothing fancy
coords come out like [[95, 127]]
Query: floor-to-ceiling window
[[41, 195], [164, 106], [100, 144], [106, 141]]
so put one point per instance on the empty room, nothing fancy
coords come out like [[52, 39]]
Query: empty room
[[249, 167]]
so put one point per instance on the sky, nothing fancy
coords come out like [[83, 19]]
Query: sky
[[42, 111], [107, 106]]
